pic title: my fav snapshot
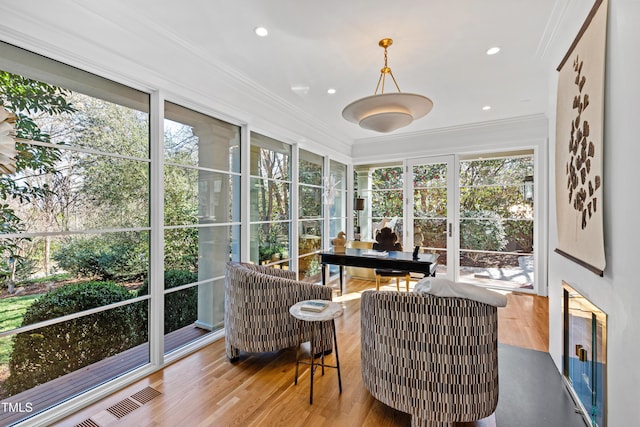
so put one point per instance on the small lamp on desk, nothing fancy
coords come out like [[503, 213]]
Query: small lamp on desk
[[358, 206]]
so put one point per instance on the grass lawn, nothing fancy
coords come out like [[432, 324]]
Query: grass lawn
[[11, 311]]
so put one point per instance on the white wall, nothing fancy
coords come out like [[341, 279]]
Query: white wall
[[618, 292]]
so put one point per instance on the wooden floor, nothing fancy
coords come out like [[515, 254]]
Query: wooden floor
[[62, 388], [204, 389]]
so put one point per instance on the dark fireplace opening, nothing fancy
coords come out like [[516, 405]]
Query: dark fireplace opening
[[585, 354]]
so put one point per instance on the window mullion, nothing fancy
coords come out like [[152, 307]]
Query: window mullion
[[156, 276]]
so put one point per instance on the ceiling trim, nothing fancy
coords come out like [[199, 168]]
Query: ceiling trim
[[511, 122], [517, 132], [268, 108], [240, 81], [551, 30]]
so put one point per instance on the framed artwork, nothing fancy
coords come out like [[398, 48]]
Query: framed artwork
[[579, 144]]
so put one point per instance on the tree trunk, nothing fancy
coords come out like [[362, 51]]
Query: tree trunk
[[47, 254]]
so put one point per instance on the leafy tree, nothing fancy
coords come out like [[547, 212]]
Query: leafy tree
[[387, 178], [181, 199], [310, 172], [115, 190], [387, 195], [494, 185], [482, 230], [107, 191], [27, 99], [85, 190], [272, 201], [430, 190], [493, 214], [181, 249]]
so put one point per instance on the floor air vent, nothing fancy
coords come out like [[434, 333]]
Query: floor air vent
[[120, 409], [88, 423], [123, 408], [145, 395]]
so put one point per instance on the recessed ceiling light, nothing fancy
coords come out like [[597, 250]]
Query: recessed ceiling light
[[331, 91], [493, 50], [261, 31], [486, 108]]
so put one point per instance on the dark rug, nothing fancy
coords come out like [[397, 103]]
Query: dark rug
[[532, 392]]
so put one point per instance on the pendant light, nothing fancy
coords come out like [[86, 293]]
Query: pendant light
[[386, 112]]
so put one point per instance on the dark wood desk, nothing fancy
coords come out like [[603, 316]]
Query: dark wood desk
[[426, 263]]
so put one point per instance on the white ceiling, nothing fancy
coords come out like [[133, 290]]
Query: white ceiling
[[438, 51]]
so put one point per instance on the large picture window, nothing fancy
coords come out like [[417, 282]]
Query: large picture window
[[75, 235], [202, 222], [336, 197], [270, 201], [311, 220]]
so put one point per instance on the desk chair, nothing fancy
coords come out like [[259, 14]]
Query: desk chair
[[387, 240]]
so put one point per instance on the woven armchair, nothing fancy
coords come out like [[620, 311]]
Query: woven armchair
[[257, 301], [432, 357]]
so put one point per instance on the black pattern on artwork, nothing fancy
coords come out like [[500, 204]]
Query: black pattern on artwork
[[581, 183]]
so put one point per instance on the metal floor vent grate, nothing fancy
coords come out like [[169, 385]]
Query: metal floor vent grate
[[87, 423], [123, 408], [145, 395]]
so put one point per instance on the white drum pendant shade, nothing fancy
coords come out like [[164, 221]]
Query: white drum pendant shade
[[386, 112]]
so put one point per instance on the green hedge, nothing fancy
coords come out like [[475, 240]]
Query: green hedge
[[44, 354], [180, 307]]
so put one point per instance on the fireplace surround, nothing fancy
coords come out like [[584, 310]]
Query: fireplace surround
[[585, 354]]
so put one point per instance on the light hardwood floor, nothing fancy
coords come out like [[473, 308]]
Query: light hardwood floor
[[204, 389]]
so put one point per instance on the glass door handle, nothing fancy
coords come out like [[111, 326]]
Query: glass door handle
[[450, 230]]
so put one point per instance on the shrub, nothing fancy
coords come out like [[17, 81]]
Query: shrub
[[114, 257], [482, 230], [180, 307], [47, 353], [521, 233]]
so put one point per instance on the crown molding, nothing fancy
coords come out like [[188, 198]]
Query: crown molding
[[246, 101], [522, 131], [508, 123], [550, 33]]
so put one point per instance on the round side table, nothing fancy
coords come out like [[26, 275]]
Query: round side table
[[329, 314]]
